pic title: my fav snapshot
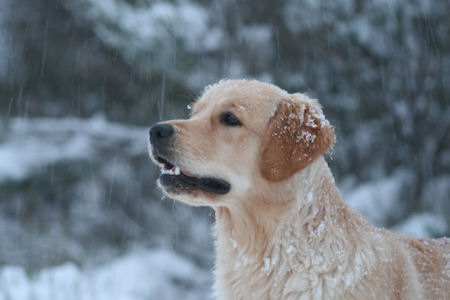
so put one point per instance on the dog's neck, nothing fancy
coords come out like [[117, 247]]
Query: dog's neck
[[307, 228]]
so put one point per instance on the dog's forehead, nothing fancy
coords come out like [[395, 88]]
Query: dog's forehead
[[244, 95]]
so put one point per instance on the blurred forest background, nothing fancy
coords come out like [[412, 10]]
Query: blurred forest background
[[81, 81]]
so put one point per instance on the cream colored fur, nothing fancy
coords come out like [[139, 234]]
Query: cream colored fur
[[324, 250], [293, 238]]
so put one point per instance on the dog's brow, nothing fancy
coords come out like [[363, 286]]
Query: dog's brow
[[196, 108], [235, 107]]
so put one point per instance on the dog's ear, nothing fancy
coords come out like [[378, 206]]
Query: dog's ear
[[298, 133]]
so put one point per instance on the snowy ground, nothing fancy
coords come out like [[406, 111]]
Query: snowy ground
[[153, 271], [157, 274]]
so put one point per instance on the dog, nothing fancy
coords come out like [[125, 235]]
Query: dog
[[255, 154]]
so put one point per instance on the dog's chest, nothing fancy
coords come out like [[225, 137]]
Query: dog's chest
[[275, 277], [286, 274]]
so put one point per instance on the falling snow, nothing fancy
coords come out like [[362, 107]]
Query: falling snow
[[77, 188]]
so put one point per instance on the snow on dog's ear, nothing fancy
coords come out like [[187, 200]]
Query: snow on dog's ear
[[297, 134]]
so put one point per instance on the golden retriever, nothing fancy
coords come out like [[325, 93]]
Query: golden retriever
[[254, 153]]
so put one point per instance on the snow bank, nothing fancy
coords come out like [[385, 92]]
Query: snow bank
[[423, 225], [28, 146], [142, 274], [381, 202], [378, 200]]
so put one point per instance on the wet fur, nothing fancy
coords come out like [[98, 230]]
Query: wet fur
[[283, 231]]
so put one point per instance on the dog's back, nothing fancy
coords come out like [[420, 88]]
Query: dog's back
[[431, 259]]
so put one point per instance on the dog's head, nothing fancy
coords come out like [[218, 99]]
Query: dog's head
[[241, 134]]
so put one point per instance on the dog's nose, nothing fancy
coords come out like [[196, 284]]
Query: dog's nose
[[161, 133]]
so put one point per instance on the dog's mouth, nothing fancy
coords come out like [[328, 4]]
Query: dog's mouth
[[174, 178]]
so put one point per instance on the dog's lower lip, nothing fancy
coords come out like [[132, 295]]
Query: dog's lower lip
[[214, 186], [207, 184]]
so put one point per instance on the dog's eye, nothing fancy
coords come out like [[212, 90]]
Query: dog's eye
[[228, 119]]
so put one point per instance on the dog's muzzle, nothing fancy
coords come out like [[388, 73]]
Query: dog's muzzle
[[173, 177]]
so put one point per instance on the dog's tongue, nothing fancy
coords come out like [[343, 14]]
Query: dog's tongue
[[187, 173]]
